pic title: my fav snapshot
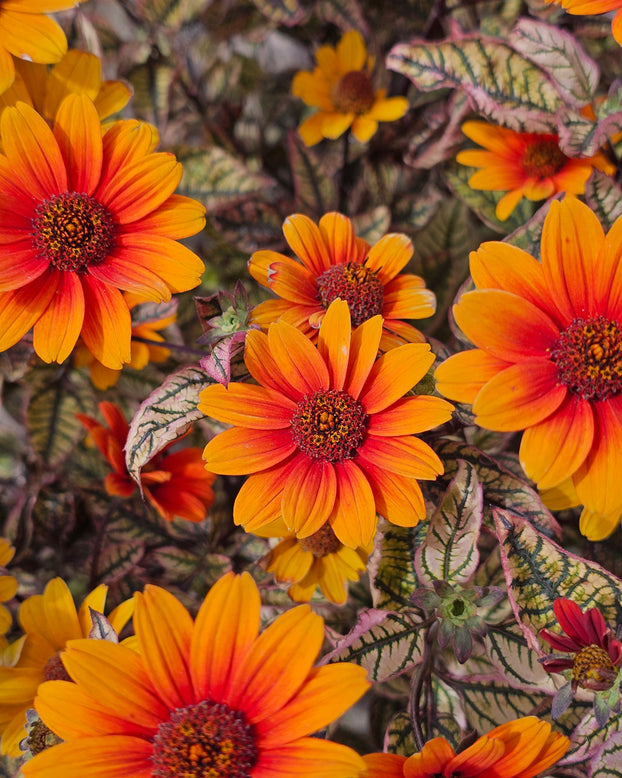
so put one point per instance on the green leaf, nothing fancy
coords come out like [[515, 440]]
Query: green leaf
[[529, 235], [53, 429], [164, 416], [503, 86], [538, 571], [604, 196], [449, 551], [515, 662], [373, 225], [315, 191], [385, 644], [391, 570], [219, 180], [560, 56], [607, 763], [119, 559], [414, 211]]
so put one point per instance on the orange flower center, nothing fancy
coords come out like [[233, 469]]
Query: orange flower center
[[593, 669], [588, 356], [329, 425], [54, 669], [323, 542], [73, 231], [353, 93], [207, 740], [359, 286], [543, 158]]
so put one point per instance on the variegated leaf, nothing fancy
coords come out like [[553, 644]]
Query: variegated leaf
[[503, 85], [529, 235], [607, 762], [315, 192], [117, 560], [164, 416], [515, 662], [287, 12], [391, 568], [538, 571], [373, 225], [587, 739], [604, 196], [449, 551], [385, 644], [345, 14], [489, 703], [399, 738]]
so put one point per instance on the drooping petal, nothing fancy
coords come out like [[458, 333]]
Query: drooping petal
[[308, 495], [107, 327], [58, 328]]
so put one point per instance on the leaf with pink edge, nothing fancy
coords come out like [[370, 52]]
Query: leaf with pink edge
[[604, 196], [607, 762]]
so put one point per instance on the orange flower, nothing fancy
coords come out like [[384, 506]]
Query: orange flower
[[328, 435], [340, 86], [524, 164], [149, 321], [26, 32], [518, 749], [588, 7], [175, 484], [549, 357], [8, 585], [82, 217], [205, 697], [333, 263], [78, 72]]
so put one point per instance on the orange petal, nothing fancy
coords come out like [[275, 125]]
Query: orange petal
[[384, 766], [351, 51], [338, 234], [406, 298], [310, 758], [462, 376], [394, 374], [389, 256], [334, 342], [77, 130], [299, 362], [263, 367], [241, 451], [291, 281], [117, 271], [51, 614], [58, 328], [398, 499], [107, 327], [177, 266], [32, 35], [432, 759], [309, 495], [519, 397], [177, 217], [306, 241], [112, 756], [21, 308], [406, 455], [409, 416], [246, 405], [259, 500], [354, 516], [364, 343], [551, 451]]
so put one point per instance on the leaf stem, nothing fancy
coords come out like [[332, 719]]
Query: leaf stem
[[420, 679]]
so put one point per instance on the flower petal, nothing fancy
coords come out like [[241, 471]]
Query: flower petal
[[334, 342], [306, 241], [247, 405], [299, 362], [107, 327], [111, 756], [462, 376], [239, 451], [77, 129], [390, 256], [21, 308], [394, 374], [58, 328], [354, 516], [410, 415], [364, 343], [309, 495]]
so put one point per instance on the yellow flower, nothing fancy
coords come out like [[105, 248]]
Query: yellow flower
[[340, 86], [25, 31], [49, 620], [319, 560], [8, 585], [78, 72]]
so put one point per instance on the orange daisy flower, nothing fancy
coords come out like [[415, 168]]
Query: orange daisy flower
[[549, 356], [588, 7], [209, 697], [328, 434], [518, 749], [319, 560], [26, 32], [176, 485], [525, 164], [82, 217], [340, 87], [333, 262], [8, 585], [78, 72], [49, 620]]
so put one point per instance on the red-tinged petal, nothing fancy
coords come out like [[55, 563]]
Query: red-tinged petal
[[432, 759], [398, 499], [246, 405], [177, 266], [364, 343], [177, 217], [21, 308], [519, 397], [328, 692], [384, 765], [291, 281], [480, 756], [259, 500], [111, 756], [306, 241], [409, 416], [77, 129], [164, 630], [597, 482], [299, 362], [608, 274], [116, 271], [394, 374], [263, 367], [552, 450], [462, 376], [260, 261], [240, 451], [571, 619], [308, 495], [354, 516], [504, 325], [334, 342], [58, 328], [19, 264], [125, 142], [107, 327], [338, 233], [309, 758], [571, 239], [277, 666], [225, 631], [115, 420], [32, 151], [406, 455], [389, 256]]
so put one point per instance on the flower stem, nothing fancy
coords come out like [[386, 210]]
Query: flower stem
[[343, 179], [421, 677]]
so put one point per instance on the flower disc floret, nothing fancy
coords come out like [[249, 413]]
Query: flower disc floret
[[322, 543], [543, 158], [592, 668], [353, 93], [206, 739], [359, 286]]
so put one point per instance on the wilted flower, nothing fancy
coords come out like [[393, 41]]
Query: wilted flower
[[341, 88]]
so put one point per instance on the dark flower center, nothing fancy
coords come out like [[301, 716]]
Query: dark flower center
[[593, 669], [359, 286], [543, 158], [353, 93], [588, 356], [73, 231], [323, 542], [54, 669], [329, 425], [207, 740]]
